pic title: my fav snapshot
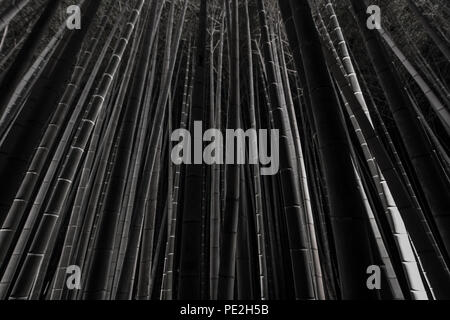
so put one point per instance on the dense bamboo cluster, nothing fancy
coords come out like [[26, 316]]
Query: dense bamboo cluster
[[93, 205]]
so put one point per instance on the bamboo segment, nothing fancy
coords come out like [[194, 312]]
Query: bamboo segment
[[391, 209], [442, 111], [299, 246], [189, 282], [65, 179], [10, 12], [435, 187]]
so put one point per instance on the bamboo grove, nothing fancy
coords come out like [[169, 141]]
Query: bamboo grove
[[86, 170]]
